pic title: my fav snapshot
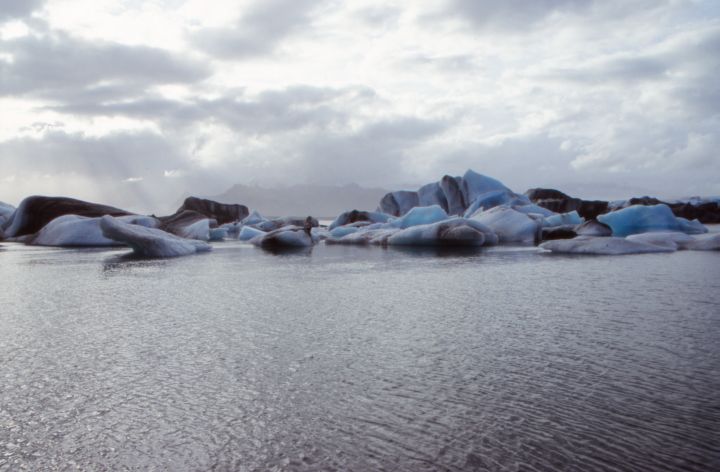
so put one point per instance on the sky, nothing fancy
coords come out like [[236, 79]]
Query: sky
[[136, 103]]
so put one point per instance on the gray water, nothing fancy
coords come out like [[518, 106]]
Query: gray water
[[348, 358]]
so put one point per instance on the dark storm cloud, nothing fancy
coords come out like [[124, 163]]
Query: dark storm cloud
[[59, 67], [11, 9], [271, 111], [119, 155], [259, 30]]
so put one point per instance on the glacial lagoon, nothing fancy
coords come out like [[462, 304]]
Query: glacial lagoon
[[358, 358]]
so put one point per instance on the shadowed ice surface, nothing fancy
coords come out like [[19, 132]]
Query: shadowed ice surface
[[351, 358]]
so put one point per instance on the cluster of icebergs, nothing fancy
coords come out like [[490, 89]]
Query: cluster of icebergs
[[468, 211]]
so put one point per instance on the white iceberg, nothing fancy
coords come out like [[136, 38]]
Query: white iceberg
[[511, 226], [642, 219], [451, 232], [601, 246], [150, 242], [6, 211]]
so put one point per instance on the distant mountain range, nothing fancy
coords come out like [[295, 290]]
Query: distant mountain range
[[302, 200]]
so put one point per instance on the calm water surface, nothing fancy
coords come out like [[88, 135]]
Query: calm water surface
[[361, 359]]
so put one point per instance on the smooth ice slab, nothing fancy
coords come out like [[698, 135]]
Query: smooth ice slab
[[611, 246], [704, 242], [150, 242], [81, 231]]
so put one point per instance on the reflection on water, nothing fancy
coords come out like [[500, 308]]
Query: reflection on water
[[348, 358]]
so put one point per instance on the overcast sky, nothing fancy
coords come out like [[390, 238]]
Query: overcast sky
[[135, 103]]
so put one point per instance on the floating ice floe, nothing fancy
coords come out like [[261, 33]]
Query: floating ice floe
[[450, 232], [218, 234], [668, 239], [81, 231], [511, 226], [150, 242], [642, 219], [601, 246], [704, 242]]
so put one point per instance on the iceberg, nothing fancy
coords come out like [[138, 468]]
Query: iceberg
[[432, 194], [187, 224], [452, 232], [220, 212], [355, 216], [511, 226], [277, 223], [535, 209], [642, 219], [37, 211], [81, 231], [247, 233], [218, 234], [419, 216], [150, 242], [398, 203], [452, 189], [341, 231], [593, 228], [287, 237], [474, 185], [571, 218], [488, 200], [611, 246], [376, 236], [254, 218]]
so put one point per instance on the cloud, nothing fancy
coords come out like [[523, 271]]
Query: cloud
[[11, 9], [59, 67], [118, 156], [259, 30], [271, 111]]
